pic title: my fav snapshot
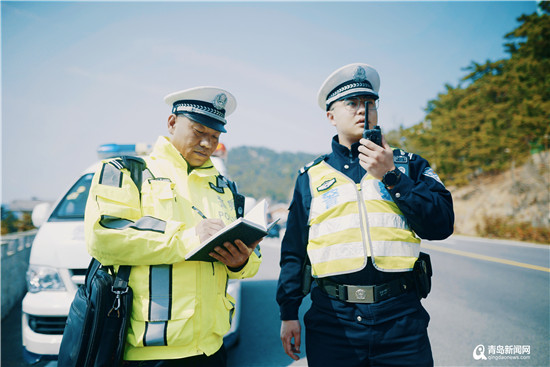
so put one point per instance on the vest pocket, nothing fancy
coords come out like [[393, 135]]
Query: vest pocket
[[223, 317], [158, 199], [162, 312], [175, 327]]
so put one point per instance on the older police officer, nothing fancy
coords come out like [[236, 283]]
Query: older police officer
[[181, 309], [357, 216]]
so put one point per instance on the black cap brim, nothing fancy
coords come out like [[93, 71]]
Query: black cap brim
[[205, 120], [356, 94]]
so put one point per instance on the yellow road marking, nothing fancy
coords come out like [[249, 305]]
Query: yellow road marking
[[484, 257]]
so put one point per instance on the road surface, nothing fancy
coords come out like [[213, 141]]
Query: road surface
[[489, 299], [485, 292]]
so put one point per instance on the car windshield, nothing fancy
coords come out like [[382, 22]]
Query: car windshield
[[73, 204]]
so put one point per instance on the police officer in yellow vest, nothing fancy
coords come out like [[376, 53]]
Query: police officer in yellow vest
[[357, 216], [181, 310]]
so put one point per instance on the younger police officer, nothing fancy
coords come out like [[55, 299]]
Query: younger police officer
[[359, 221], [181, 309]]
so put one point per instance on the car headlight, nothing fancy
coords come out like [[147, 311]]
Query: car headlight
[[43, 278]]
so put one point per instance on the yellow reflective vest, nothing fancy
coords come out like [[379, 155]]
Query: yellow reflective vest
[[180, 308], [350, 222]]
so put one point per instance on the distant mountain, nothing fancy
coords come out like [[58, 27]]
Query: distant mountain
[[264, 173]]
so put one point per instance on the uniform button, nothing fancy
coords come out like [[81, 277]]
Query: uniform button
[[398, 195], [359, 318], [346, 166]]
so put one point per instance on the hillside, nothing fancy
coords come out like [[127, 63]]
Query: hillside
[[262, 172], [521, 193]]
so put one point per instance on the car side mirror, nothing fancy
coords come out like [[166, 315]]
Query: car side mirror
[[40, 213]]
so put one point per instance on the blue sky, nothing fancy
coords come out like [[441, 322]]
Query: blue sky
[[79, 74]]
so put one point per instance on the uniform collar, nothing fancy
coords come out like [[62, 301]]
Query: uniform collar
[[164, 149], [342, 151]]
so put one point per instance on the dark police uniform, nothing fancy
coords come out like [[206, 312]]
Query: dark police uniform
[[392, 330]]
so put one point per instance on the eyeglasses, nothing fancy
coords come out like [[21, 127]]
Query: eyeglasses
[[352, 104]]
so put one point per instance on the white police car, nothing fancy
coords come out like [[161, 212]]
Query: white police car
[[59, 260]]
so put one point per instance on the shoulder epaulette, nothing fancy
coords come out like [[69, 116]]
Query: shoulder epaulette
[[401, 152], [127, 162], [135, 165], [227, 183], [401, 160], [312, 163]]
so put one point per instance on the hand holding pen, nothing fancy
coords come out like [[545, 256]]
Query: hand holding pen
[[234, 255], [207, 227]]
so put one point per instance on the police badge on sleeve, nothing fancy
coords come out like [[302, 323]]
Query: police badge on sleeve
[[428, 171]]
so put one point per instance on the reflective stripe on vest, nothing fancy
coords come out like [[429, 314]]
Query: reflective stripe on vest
[[160, 304], [349, 222]]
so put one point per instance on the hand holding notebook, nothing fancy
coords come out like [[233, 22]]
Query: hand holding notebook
[[249, 229]]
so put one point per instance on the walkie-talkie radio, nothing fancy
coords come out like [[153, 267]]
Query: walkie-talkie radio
[[374, 135]]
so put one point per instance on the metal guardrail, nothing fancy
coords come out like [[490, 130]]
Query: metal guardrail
[[15, 252]]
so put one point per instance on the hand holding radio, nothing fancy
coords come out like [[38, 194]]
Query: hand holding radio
[[375, 159], [374, 134]]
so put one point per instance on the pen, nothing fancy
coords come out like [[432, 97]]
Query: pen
[[198, 211]]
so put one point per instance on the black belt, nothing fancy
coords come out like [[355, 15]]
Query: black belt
[[366, 293]]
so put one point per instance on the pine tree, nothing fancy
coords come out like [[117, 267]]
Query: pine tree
[[499, 112]]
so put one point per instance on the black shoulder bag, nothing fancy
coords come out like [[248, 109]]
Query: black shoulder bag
[[97, 324], [96, 327]]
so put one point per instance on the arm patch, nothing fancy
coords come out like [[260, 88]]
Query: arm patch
[[110, 175], [428, 171]]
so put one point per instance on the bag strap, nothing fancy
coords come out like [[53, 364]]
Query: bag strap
[[90, 273], [120, 289], [136, 166], [122, 278]]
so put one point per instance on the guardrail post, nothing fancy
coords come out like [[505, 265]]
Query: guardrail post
[[15, 252]]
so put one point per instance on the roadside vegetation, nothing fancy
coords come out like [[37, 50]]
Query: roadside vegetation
[[14, 223], [508, 228], [496, 119], [498, 114]]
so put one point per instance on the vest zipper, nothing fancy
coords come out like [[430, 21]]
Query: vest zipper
[[363, 212]]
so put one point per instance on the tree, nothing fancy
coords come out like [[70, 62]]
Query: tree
[[497, 113], [8, 221], [264, 173]]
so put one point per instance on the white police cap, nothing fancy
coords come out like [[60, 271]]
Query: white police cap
[[206, 105], [348, 81]]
